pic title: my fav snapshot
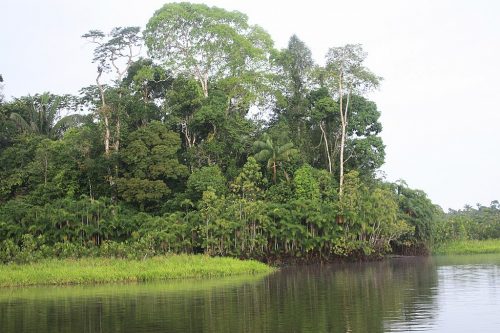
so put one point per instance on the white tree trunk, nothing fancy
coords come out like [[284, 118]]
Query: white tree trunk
[[342, 140], [327, 147]]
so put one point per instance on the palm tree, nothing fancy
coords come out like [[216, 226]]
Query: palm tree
[[270, 152], [43, 116]]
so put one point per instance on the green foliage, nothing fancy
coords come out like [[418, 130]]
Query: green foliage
[[208, 178], [151, 152], [419, 211], [480, 223], [168, 160], [142, 191], [306, 185], [273, 154], [467, 247], [150, 159], [206, 42], [41, 115], [249, 183]]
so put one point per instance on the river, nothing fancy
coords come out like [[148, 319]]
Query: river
[[434, 294]]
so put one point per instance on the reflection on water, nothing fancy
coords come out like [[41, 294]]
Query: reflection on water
[[411, 294]]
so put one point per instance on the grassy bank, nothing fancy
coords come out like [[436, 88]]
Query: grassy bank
[[103, 270], [468, 247]]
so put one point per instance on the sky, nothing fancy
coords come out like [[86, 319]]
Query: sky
[[438, 58]]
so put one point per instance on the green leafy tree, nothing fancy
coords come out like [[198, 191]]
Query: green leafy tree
[[418, 211], [383, 224], [208, 178], [147, 79], [271, 153], [114, 52], [365, 150], [295, 67], [151, 162], [206, 43], [322, 113], [248, 185], [41, 114], [346, 76], [306, 185]]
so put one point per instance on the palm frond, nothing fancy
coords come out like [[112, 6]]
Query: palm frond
[[287, 146], [67, 122], [21, 124], [263, 155], [259, 145], [289, 153]]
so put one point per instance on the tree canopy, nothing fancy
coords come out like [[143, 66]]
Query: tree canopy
[[171, 155]]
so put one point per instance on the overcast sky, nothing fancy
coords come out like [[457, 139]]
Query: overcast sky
[[439, 60]]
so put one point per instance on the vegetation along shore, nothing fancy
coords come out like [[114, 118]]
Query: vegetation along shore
[[165, 155], [106, 270], [468, 247]]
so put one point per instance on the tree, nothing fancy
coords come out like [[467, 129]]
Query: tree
[[206, 43], [151, 162], [209, 178], [346, 75], [41, 114], [418, 211], [183, 101], [306, 185], [122, 44], [249, 182], [294, 67], [268, 151], [321, 113], [148, 80], [364, 149]]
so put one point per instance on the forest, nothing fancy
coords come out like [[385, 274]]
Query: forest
[[199, 136]]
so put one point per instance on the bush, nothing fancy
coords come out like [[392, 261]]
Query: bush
[[111, 249], [71, 250], [8, 251]]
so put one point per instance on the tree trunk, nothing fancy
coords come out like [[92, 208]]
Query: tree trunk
[[342, 140], [104, 109], [107, 132], [274, 171], [118, 129], [327, 147]]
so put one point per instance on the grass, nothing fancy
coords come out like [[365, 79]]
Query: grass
[[102, 270], [468, 247]]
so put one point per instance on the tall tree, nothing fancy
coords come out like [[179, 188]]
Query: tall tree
[[206, 43], [114, 52], [347, 75], [294, 67]]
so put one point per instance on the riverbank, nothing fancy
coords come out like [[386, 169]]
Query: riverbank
[[468, 247], [105, 270]]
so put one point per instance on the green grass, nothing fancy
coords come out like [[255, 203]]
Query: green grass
[[100, 270], [468, 247]]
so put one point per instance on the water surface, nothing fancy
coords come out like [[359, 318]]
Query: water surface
[[441, 294]]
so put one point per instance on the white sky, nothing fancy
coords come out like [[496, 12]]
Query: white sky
[[439, 60]]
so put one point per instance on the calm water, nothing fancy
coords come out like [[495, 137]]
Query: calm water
[[443, 294]]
